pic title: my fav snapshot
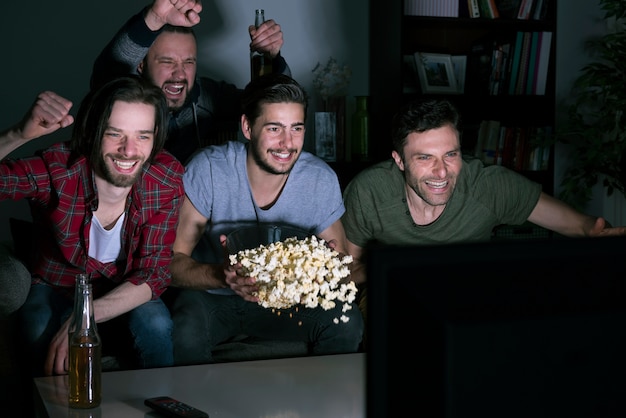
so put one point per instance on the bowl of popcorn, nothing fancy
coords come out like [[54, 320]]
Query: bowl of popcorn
[[292, 267]]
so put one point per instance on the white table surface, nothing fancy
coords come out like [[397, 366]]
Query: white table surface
[[316, 386]]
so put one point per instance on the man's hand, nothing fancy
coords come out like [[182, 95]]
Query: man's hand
[[49, 113], [242, 285], [266, 38], [57, 360], [601, 228], [173, 12]]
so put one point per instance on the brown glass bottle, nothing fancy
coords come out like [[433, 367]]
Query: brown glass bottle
[[85, 387], [260, 63]]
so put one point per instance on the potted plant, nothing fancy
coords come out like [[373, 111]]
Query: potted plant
[[595, 130]]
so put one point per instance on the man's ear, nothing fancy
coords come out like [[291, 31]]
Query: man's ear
[[140, 67], [245, 127], [398, 159]]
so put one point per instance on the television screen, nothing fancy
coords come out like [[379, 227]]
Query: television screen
[[514, 328]]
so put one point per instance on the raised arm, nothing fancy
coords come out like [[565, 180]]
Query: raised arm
[[122, 55], [269, 38], [49, 113], [557, 216], [173, 12]]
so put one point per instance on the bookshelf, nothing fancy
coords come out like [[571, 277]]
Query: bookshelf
[[529, 107]]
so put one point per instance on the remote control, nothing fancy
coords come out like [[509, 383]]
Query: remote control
[[173, 408]]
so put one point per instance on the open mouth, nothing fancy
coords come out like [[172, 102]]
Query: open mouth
[[281, 156], [174, 89], [125, 165], [437, 184]]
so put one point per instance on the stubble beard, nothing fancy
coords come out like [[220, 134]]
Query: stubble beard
[[422, 192], [265, 165]]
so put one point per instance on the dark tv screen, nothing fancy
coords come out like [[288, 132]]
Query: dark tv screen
[[514, 328]]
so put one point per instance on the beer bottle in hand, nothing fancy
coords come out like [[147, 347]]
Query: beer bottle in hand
[[260, 63], [85, 350]]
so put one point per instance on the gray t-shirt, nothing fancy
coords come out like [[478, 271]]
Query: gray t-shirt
[[216, 182], [484, 197]]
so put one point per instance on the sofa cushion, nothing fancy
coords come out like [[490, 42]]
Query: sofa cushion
[[14, 282]]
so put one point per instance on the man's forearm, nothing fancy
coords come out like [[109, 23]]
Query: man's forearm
[[120, 300], [190, 274]]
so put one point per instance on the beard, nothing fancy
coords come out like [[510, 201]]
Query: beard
[[263, 163], [432, 199], [117, 179]]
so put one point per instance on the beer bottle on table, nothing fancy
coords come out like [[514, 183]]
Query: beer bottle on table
[[260, 63], [85, 368]]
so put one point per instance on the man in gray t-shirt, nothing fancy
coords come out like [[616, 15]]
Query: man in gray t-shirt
[[269, 179]]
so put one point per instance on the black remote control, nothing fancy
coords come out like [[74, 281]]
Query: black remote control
[[173, 408]]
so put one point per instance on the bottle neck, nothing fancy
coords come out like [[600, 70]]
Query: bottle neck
[[259, 18], [84, 318]]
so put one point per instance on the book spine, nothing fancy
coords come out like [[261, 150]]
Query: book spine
[[543, 63], [532, 63], [493, 9], [523, 65], [537, 9], [474, 10], [517, 52], [483, 5], [525, 9]]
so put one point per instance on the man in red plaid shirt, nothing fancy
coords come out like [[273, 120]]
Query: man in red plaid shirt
[[105, 203]]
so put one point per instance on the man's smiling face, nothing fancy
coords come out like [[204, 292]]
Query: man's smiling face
[[171, 65]]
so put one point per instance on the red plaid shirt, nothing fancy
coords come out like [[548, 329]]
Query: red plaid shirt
[[62, 196]]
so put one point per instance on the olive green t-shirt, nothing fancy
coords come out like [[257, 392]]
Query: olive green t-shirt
[[484, 197]]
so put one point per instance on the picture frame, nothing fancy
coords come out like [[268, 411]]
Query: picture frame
[[326, 136], [459, 62], [436, 73]]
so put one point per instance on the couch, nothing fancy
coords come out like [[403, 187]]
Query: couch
[[15, 282]]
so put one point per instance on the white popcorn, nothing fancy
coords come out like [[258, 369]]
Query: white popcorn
[[295, 271]]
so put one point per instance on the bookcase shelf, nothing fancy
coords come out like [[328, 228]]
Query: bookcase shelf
[[393, 36]]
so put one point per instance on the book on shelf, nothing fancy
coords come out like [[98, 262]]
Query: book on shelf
[[487, 141], [507, 9], [539, 155], [508, 147], [525, 9], [474, 10], [437, 8], [522, 9], [520, 86], [540, 11], [543, 61], [486, 9], [519, 148], [492, 9], [532, 63], [500, 147], [499, 67], [515, 61]]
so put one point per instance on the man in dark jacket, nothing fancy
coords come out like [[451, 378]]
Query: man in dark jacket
[[159, 44]]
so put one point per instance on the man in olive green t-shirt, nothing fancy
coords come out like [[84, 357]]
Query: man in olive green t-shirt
[[430, 194]]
